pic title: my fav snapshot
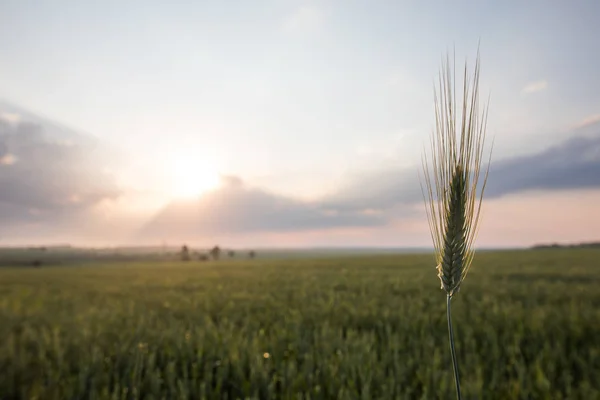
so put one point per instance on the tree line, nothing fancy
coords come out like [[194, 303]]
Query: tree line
[[214, 254]]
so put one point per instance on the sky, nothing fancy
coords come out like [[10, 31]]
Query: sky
[[287, 122]]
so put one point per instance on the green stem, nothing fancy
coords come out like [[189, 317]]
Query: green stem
[[452, 350]]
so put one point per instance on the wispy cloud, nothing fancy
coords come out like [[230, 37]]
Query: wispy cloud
[[533, 87], [304, 19], [588, 121]]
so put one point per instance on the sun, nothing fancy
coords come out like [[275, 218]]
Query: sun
[[192, 177]]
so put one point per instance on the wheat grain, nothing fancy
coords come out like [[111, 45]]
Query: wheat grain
[[452, 193]]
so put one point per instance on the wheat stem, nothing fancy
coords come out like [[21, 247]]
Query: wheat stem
[[452, 349]]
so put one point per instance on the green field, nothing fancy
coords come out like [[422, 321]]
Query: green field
[[360, 327]]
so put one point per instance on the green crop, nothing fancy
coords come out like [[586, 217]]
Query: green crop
[[338, 328]]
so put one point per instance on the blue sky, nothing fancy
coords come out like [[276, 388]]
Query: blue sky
[[300, 99]]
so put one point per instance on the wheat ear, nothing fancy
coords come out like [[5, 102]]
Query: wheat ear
[[452, 195]]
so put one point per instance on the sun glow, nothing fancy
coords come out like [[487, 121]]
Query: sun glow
[[192, 177]]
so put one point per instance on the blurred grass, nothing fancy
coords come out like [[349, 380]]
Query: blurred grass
[[527, 327]]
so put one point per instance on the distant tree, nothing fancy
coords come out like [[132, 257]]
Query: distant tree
[[231, 253], [251, 254], [185, 253], [203, 257], [215, 252]]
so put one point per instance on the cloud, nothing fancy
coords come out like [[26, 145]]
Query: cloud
[[533, 87], [49, 175], [232, 181], [304, 19], [573, 164], [236, 208], [588, 121]]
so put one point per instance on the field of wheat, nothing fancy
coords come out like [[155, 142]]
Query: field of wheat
[[361, 327]]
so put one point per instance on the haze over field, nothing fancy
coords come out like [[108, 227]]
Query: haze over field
[[286, 122]]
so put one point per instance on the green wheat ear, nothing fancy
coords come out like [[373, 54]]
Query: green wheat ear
[[453, 196], [453, 192]]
